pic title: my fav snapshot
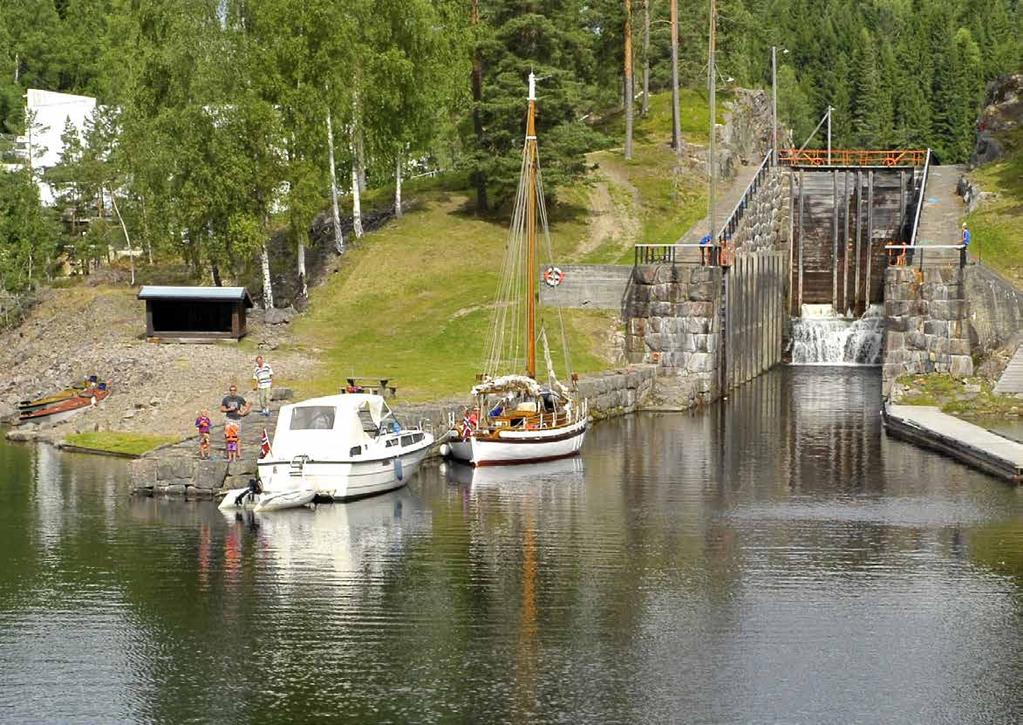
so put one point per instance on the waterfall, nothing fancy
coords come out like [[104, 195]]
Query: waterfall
[[821, 337]]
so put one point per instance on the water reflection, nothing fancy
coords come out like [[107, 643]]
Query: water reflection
[[772, 558]]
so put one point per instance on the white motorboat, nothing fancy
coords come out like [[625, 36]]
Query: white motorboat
[[342, 447]]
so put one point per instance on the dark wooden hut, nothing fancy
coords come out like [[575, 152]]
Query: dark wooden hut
[[195, 314]]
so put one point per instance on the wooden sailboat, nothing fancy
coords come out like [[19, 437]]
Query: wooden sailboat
[[516, 418]]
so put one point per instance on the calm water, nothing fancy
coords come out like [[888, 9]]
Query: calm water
[[772, 559]]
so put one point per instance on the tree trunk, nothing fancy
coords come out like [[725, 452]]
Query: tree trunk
[[676, 111], [264, 263], [303, 288], [360, 157], [335, 213], [356, 204], [145, 231], [646, 58], [397, 187], [478, 178], [215, 275], [628, 79]]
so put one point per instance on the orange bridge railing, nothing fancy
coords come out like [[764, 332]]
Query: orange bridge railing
[[851, 157]]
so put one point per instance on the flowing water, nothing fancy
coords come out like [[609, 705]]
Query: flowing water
[[774, 558], [820, 337]]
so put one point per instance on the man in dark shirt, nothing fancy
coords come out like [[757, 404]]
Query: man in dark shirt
[[234, 405]]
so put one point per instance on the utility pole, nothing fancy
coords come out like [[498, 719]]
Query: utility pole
[[628, 79], [774, 105], [676, 111], [711, 161], [829, 135], [645, 109]]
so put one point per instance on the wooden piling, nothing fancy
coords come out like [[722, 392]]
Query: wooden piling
[[870, 233], [799, 301], [859, 233], [834, 240], [845, 242]]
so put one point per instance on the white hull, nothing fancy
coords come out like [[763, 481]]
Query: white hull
[[268, 500], [344, 480], [521, 446]]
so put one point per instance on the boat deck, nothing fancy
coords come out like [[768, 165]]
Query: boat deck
[[976, 446]]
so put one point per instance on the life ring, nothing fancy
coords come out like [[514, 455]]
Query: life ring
[[553, 276]]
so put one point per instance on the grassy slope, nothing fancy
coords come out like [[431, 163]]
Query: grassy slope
[[996, 226], [667, 202], [412, 300]]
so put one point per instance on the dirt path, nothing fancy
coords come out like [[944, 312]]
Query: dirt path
[[614, 210]]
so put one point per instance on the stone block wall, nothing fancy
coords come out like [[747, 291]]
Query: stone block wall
[[926, 323], [764, 225], [673, 318]]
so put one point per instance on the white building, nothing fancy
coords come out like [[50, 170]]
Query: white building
[[41, 144]]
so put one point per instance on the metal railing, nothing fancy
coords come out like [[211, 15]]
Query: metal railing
[[669, 253], [853, 157], [910, 252], [734, 219]]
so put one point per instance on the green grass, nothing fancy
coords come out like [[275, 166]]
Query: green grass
[[134, 444], [655, 127], [953, 396], [997, 226], [412, 303]]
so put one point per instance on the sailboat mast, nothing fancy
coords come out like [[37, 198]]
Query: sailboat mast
[[531, 164]]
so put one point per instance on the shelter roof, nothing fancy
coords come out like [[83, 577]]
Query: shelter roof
[[208, 294]]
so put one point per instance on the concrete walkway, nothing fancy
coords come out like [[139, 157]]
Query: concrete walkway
[[1011, 382], [942, 214], [977, 447], [726, 197]]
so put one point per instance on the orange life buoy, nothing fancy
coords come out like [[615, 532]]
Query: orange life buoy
[[553, 276]]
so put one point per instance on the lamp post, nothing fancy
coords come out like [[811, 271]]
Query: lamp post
[[774, 102]]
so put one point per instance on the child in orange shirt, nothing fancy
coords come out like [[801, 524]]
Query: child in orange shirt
[[232, 434]]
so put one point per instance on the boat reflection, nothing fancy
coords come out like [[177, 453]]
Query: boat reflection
[[354, 537], [567, 470]]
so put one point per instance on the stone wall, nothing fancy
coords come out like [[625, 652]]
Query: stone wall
[[599, 286], [765, 224], [926, 323], [673, 318], [995, 318]]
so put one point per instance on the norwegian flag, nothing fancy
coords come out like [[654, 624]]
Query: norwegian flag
[[264, 445]]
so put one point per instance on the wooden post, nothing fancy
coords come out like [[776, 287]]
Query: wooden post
[[799, 300], [870, 233], [902, 205], [834, 240], [859, 233], [792, 238], [628, 79], [845, 243]]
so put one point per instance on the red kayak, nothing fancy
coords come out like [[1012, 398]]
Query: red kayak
[[64, 409]]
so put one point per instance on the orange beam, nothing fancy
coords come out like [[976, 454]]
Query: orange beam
[[852, 157]]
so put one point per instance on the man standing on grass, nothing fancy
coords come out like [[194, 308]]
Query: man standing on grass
[[263, 377]]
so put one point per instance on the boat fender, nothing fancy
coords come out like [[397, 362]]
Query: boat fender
[[398, 472], [445, 449]]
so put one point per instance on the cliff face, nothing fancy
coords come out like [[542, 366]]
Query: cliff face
[[1003, 113]]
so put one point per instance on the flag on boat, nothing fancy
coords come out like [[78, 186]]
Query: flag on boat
[[264, 445]]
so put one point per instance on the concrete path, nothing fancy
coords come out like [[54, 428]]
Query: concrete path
[[969, 443], [942, 214], [725, 199], [1011, 381]]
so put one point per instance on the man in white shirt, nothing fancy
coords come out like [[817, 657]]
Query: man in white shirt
[[263, 377]]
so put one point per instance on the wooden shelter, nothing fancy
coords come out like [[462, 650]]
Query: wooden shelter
[[195, 314]]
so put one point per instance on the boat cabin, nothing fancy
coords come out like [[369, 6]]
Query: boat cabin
[[195, 314]]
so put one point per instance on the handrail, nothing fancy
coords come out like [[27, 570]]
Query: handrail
[[853, 157], [920, 199], [739, 211]]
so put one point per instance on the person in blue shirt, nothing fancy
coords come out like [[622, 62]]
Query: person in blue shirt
[[705, 249], [967, 237]]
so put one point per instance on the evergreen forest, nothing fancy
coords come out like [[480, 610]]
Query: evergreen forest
[[223, 120]]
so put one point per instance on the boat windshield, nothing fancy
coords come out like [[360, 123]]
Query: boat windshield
[[312, 417]]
